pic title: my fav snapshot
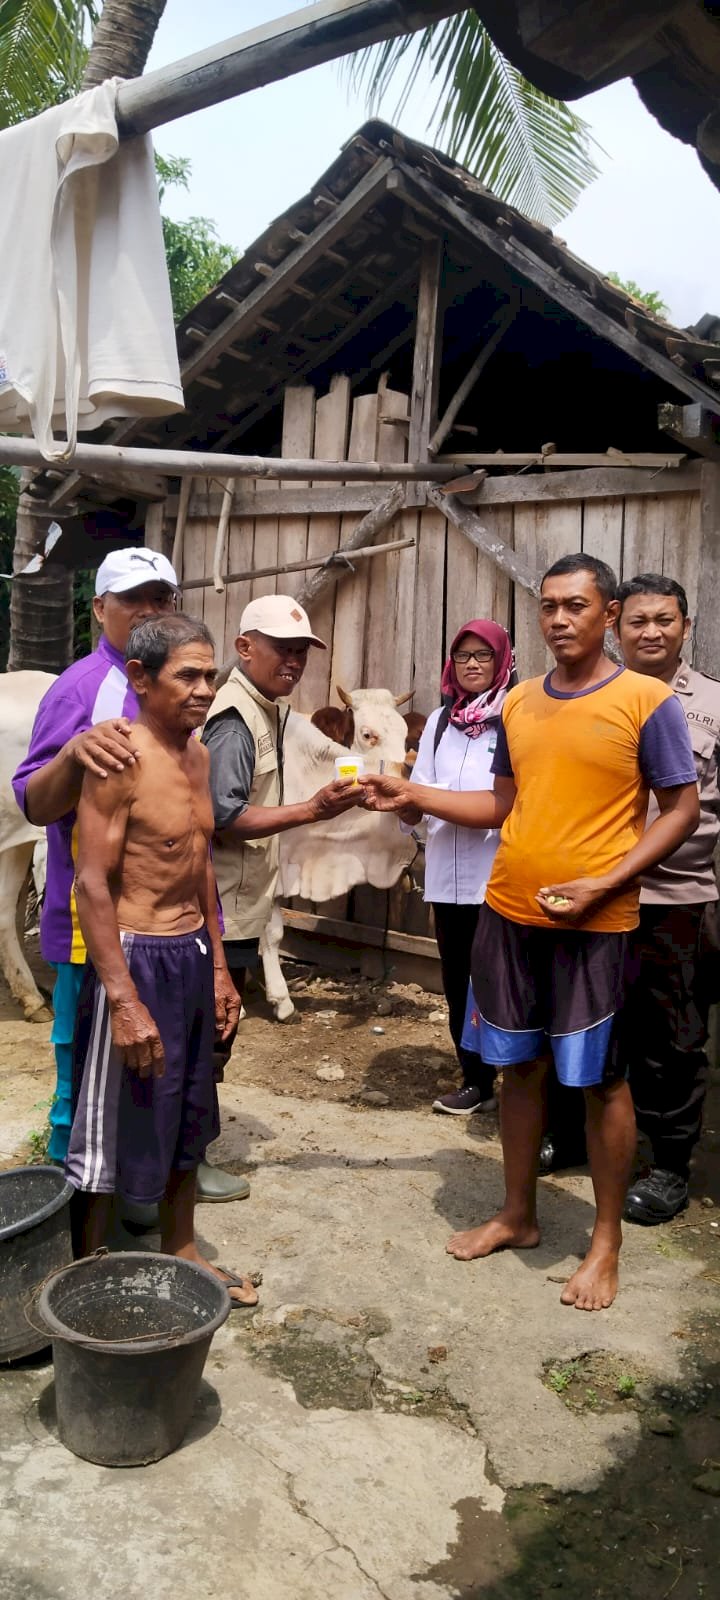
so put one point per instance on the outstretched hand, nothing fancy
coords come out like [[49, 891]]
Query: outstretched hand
[[383, 793], [571, 902], [335, 798]]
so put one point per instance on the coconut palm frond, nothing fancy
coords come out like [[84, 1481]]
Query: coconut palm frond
[[42, 53], [531, 150]]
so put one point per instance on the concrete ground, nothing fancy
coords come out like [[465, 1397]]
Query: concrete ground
[[390, 1424]]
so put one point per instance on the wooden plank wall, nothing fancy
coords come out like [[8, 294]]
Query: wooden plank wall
[[390, 623]]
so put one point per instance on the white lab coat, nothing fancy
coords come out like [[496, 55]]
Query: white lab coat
[[458, 861]]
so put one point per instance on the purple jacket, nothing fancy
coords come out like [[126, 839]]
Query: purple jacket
[[90, 691]]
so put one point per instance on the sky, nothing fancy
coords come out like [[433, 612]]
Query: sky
[[652, 215]]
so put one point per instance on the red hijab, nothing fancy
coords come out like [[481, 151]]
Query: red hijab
[[472, 713]]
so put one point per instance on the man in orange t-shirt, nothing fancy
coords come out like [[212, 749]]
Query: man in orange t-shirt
[[578, 753]]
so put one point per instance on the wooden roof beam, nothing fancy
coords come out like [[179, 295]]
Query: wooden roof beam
[[590, 36], [280, 49], [549, 279], [694, 427]]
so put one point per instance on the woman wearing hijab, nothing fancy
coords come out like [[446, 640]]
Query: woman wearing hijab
[[456, 751]]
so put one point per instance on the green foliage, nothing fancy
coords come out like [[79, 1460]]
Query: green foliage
[[647, 297], [196, 258], [531, 150], [42, 54], [626, 1385], [39, 1139], [560, 1378]]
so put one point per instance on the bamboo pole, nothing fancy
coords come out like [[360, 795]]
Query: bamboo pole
[[366, 529], [205, 464], [338, 560]]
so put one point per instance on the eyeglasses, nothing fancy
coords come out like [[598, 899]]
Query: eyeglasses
[[461, 657]]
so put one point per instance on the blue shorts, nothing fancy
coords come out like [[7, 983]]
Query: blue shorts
[[545, 988], [128, 1132]]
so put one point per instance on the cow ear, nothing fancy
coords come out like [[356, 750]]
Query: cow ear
[[342, 695]]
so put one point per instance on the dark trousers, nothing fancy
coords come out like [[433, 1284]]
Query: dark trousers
[[667, 1025], [455, 930]]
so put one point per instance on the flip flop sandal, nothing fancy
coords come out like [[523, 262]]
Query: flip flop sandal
[[232, 1281]]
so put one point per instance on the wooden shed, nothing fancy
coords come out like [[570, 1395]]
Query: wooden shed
[[401, 312]]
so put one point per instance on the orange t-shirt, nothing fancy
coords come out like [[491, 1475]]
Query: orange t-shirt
[[583, 765]]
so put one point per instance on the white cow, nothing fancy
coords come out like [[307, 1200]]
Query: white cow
[[20, 696], [316, 862], [325, 859]]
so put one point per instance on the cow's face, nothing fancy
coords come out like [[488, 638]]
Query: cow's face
[[379, 728]]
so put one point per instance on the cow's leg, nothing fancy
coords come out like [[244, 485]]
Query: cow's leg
[[14, 865], [276, 988]]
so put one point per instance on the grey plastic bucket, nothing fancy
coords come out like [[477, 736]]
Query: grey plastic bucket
[[34, 1240], [130, 1335]]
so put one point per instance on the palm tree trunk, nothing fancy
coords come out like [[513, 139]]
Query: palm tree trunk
[[122, 40], [41, 608]]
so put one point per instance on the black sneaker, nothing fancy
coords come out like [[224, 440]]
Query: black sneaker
[[463, 1102], [656, 1197]]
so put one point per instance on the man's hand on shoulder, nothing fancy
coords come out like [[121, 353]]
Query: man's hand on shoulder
[[108, 747], [335, 798], [136, 1037]]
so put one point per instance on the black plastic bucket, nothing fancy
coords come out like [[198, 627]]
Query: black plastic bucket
[[130, 1335], [34, 1240]]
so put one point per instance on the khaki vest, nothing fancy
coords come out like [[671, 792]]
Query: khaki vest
[[247, 870]]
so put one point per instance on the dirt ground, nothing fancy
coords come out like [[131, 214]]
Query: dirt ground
[[540, 1451]]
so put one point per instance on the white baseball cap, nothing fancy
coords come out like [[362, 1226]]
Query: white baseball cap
[[280, 617], [130, 569]]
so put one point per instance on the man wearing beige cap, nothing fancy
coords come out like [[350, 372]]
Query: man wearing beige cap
[[244, 734]]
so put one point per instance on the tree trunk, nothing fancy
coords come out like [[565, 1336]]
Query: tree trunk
[[122, 40], [41, 607]]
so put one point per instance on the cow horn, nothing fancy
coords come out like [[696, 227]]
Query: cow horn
[[342, 695], [400, 699]]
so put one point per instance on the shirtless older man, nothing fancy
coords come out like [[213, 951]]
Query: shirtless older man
[[156, 987]]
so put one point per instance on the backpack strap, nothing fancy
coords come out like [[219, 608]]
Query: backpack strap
[[440, 726]]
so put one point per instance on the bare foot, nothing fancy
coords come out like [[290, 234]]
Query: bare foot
[[497, 1234], [595, 1284], [241, 1290]]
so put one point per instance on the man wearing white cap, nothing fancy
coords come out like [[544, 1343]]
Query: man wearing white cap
[[244, 734], [84, 723]]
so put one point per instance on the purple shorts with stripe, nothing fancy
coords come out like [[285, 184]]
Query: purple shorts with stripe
[[541, 988], [128, 1132]]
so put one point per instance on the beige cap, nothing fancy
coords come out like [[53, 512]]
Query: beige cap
[[280, 617]]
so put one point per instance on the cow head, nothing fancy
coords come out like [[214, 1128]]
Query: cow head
[[335, 724], [380, 730]]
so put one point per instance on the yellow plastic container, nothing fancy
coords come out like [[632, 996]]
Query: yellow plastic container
[[349, 767]]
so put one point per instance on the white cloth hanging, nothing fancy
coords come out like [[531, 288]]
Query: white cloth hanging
[[86, 324]]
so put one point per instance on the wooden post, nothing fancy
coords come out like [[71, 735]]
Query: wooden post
[[426, 359], [707, 634], [470, 524], [471, 377], [363, 533]]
